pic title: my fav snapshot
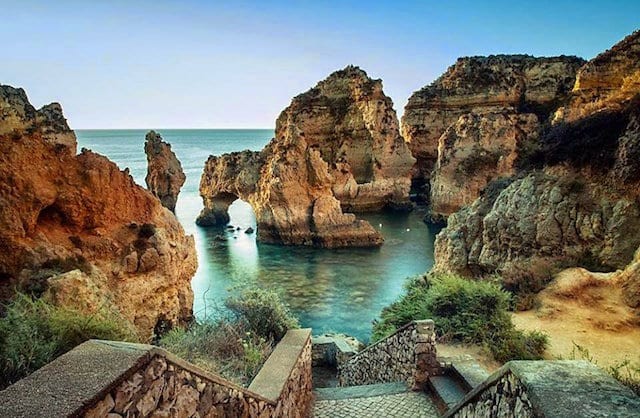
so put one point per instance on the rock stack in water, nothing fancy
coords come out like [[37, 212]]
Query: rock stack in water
[[80, 231], [574, 198], [337, 148], [164, 171]]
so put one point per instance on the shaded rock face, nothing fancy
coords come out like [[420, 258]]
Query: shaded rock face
[[164, 171], [79, 230], [574, 197], [630, 281], [337, 148], [557, 216], [475, 150], [484, 86]]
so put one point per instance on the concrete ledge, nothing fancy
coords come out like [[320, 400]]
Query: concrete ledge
[[74, 380], [275, 372]]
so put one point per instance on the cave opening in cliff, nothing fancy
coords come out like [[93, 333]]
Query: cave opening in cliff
[[52, 215]]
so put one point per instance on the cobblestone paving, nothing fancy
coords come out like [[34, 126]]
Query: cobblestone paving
[[408, 404]]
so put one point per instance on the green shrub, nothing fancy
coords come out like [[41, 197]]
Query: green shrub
[[236, 341], [34, 332], [465, 311], [262, 312]]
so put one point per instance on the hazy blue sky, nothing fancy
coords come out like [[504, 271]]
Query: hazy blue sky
[[182, 64]]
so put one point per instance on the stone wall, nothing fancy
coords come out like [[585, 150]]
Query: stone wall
[[113, 379], [169, 387], [408, 355], [505, 398], [558, 388]]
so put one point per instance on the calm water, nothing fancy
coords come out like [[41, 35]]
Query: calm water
[[329, 290]]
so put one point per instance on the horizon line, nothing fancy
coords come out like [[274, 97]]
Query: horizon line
[[182, 129]]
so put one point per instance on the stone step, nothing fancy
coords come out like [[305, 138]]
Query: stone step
[[380, 400], [364, 391], [447, 390], [471, 373]]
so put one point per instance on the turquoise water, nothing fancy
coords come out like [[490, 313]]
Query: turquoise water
[[329, 290]]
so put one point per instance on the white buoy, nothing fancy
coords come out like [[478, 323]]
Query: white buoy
[[408, 229], [379, 225]]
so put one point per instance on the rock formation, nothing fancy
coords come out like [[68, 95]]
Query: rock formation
[[80, 231], [337, 148], [560, 217], [487, 87], [575, 197], [164, 171]]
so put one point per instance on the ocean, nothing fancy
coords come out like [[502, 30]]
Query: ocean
[[339, 290]]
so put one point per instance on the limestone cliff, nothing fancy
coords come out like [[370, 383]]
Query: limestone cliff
[[476, 149], [164, 171], [558, 216], [337, 148], [80, 231], [578, 204], [607, 82], [485, 87]]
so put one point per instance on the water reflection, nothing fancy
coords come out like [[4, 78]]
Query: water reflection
[[330, 290]]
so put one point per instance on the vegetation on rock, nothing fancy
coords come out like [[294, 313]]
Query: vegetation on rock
[[33, 332], [236, 340], [464, 311]]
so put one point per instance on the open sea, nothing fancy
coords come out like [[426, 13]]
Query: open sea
[[339, 290]]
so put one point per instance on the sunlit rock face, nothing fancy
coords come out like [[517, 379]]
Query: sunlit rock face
[[80, 231], [575, 197], [337, 148], [486, 87], [607, 82], [164, 171]]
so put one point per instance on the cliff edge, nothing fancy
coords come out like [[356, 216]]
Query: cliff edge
[[78, 230]]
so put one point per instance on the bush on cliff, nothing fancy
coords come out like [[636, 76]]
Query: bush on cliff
[[236, 340], [465, 311], [34, 332]]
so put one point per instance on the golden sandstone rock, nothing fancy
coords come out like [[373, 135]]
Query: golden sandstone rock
[[337, 148], [80, 230]]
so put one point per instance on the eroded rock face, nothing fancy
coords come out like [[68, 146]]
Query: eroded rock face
[[609, 81], [337, 147], [483, 86], [557, 216], [579, 203], [17, 116], [473, 151], [164, 171], [80, 230]]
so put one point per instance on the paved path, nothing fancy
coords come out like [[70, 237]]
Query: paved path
[[406, 404]]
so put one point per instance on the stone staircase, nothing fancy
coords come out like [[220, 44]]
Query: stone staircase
[[376, 400], [399, 376]]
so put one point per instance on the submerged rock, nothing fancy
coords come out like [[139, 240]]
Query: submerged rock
[[164, 171], [337, 148], [80, 230]]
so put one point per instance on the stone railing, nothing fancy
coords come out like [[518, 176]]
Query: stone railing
[[550, 389], [105, 378], [408, 355]]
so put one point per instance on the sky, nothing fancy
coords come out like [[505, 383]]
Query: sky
[[237, 64]]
